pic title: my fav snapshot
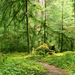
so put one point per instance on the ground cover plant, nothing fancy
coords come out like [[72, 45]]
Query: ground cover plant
[[66, 61], [20, 66]]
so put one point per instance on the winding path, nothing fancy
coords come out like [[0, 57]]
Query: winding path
[[52, 70]]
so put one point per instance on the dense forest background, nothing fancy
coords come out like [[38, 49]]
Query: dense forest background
[[37, 37], [27, 24]]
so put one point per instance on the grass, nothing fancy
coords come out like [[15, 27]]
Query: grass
[[17, 64], [65, 60]]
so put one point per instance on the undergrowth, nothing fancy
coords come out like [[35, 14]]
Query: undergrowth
[[66, 61], [20, 66]]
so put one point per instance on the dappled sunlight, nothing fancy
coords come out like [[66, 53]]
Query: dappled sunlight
[[61, 54]]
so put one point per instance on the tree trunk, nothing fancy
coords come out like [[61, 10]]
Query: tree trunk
[[38, 26], [74, 11], [59, 41], [41, 2], [45, 25], [27, 20], [72, 44], [62, 30]]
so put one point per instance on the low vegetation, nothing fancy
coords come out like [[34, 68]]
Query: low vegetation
[[14, 65], [65, 60], [21, 63]]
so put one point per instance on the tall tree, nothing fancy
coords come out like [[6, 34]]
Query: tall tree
[[45, 25], [62, 29], [38, 25], [74, 11], [27, 20], [41, 2]]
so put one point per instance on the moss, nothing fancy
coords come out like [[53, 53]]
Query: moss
[[44, 48]]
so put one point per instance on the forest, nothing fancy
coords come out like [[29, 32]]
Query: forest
[[37, 37]]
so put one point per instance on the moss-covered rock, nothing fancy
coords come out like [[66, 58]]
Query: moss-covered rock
[[44, 48]]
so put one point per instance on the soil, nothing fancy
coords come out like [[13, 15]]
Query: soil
[[52, 70]]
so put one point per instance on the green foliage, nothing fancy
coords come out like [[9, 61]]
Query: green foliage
[[41, 52], [65, 61], [3, 58], [22, 67], [36, 57], [13, 23], [13, 26], [13, 46]]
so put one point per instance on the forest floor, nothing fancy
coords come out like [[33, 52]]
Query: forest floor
[[55, 64], [52, 70]]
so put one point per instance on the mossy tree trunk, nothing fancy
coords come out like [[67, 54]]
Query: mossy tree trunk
[[38, 26], [74, 11], [27, 20]]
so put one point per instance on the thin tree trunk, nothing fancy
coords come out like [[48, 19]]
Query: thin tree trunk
[[27, 20], [72, 41], [59, 40], [74, 11], [45, 25], [62, 30], [72, 44]]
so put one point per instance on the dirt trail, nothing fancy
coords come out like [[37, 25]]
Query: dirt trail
[[52, 69]]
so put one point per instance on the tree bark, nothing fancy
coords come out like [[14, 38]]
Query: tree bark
[[59, 40], [27, 20], [62, 30], [72, 44], [45, 25], [38, 26], [74, 11]]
